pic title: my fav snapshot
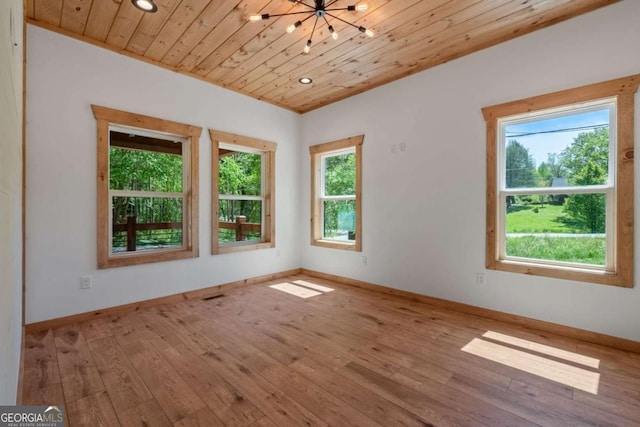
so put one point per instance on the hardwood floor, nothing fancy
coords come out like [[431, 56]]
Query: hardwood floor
[[258, 356]]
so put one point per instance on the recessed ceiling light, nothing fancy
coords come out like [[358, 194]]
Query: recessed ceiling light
[[305, 80], [145, 5]]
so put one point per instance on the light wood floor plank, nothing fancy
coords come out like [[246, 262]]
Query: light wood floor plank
[[281, 409], [123, 383], [329, 408], [203, 418], [42, 383], [175, 396], [573, 412], [96, 329], [95, 410], [145, 414], [609, 405], [228, 404], [80, 377], [358, 396], [425, 406]]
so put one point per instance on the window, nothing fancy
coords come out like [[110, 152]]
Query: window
[[147, 189], [336, 189], [243, 209], [560, 184]]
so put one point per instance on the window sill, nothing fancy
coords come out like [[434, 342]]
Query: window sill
[[125, 259], [241, 247], [561, 272], [334, 244]]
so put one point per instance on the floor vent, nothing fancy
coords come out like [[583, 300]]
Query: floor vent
[[212, 297]]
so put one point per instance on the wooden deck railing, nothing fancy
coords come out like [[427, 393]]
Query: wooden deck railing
[[240, 225]]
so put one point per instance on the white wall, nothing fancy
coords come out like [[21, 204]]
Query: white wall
[[424, 210], [10, 198], [65, 77]]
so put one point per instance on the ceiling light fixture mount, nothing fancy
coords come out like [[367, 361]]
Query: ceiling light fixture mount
[[145, 5], [320, 9], [305, 80]]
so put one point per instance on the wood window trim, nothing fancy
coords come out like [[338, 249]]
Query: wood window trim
[[108, 116], [269, 225], [316, 151], [623, 89]]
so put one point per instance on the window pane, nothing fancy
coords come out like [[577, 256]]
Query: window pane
[[340, 175], [145, 223], [339, 219], [239, 220], [240, 173], [568, 228], [572, 150], [144, 164]]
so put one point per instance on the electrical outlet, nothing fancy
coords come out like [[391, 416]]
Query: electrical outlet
[[480, 279], [85, 282], [394, 148], [364, 259], [403, 147]]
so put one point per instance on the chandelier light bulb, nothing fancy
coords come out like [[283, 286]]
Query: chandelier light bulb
[[291, 28], [367, 32], [307, 47], [333, 32], [362, 7], [255, 18]]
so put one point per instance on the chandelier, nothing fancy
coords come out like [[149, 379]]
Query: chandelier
[[321, 9]]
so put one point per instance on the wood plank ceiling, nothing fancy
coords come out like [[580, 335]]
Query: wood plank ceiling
[[212, 39]]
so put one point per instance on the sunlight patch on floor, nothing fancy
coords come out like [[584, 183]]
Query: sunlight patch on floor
[[541, 366], [312, 286], [302, 288], [296, 290], [299, 291], [545, 349]]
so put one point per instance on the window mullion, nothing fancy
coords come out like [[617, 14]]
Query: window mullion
[[146, 194], [239, 197], [501, 231], [585, 189], [346, 197], [610, 229]]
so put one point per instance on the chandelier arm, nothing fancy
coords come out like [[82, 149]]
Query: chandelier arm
[[314, 29], [346, 22], [305, 19], [336, 9], [310, 16], [305, 4], [291, 13]]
